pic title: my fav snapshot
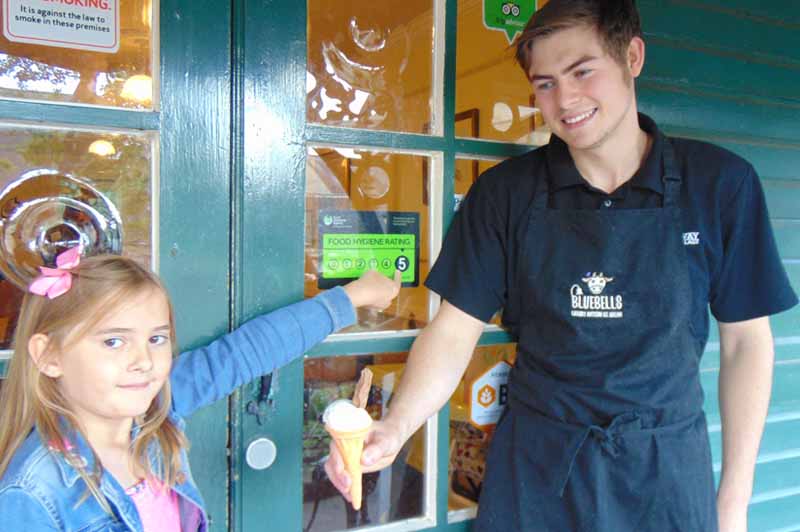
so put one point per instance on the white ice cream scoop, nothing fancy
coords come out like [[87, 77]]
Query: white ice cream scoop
[[342, 415]]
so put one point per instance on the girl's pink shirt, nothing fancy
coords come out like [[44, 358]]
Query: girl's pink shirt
[[158, 507]]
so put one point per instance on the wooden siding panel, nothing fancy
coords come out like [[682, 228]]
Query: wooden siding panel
[[733, 75], [729, 73], [774, 11], [783, 197], [717, 114], [765, 35], [787, 235], [779, 514], [785, 399]]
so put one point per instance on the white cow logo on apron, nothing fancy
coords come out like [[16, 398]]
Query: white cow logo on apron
[[595, 304]]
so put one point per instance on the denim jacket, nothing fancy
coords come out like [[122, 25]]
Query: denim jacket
[[41, 489]]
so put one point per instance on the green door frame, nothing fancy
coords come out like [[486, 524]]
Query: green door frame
[[192, 245], [195, 247]]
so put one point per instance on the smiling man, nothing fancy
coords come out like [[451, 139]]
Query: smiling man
[[605, 250]]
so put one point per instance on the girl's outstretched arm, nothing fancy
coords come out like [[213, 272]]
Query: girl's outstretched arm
[[205, 375]]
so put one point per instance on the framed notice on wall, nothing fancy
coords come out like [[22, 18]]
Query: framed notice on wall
[[353, 242]]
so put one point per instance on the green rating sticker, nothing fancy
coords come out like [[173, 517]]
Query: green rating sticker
[[508, 17], [353, 242], [348, 256]]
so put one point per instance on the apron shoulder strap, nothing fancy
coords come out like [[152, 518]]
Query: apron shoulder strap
[[671, 176]]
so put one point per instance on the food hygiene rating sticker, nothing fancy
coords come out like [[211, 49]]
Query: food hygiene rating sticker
[[356, 241]]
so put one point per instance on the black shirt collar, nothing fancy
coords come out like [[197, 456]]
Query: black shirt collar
[[563, 172]]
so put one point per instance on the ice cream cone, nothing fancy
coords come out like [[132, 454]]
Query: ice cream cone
[[350, 445]]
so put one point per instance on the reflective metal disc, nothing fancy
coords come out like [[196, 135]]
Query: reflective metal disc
[[44, 213]]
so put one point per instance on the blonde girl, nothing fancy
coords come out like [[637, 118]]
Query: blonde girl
[[91, 412]]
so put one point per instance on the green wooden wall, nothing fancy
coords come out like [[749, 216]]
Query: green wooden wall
[[729, 72]]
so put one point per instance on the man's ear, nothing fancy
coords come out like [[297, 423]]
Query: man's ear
[[46, 362], [635, 56]]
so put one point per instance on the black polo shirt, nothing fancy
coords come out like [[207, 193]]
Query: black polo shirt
[[733, 262]]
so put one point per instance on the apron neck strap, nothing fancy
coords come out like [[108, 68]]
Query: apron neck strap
[[671, 176]]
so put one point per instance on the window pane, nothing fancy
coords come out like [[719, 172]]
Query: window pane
[[369, 210], [61, 186], [107, 63], [393, 494], [370, 64], [493, 95], [474, 408]]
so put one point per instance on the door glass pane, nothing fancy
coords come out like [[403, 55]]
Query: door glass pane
[[474, 409], [492, 93], [97, 52], [393, 494], [370, 64], [369, 210], [58, 187]]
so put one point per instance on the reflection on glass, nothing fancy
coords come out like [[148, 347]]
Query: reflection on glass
[[370, 66], [382, 194], [44, 213], [393, 494], [59, 188], [120, 79], [469, 440], [490, 85]]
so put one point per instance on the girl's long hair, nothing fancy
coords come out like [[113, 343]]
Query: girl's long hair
[[29, 399]]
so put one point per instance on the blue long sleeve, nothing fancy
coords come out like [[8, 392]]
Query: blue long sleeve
[[205, 375]]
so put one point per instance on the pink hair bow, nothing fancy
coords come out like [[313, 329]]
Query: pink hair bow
[[53, 282]]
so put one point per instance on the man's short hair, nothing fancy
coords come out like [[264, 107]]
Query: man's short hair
[[616, 21]]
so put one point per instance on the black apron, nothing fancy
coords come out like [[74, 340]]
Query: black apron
[[605, 429]]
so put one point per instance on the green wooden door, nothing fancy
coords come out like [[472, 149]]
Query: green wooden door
[[196, 209], [182, 136], [732, 82], [280, 130]]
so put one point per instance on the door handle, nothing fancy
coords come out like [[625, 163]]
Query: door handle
[[261, 453]]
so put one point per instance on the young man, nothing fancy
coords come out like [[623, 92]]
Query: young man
[[604, 249]]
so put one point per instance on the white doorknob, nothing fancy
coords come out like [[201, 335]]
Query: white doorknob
[[261, 453]]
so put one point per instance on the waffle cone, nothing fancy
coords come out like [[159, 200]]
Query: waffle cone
[[350, 445]]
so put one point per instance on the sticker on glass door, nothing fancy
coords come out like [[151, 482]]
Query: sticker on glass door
[[508, 17], [356, 241]]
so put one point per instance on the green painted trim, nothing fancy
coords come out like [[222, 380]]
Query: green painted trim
[[343, 346], [195, 242], [496, 337], [3, 368], [461, 526], [490, 148], [238, 398], [406, 141], [270, 194], [74, 115]]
